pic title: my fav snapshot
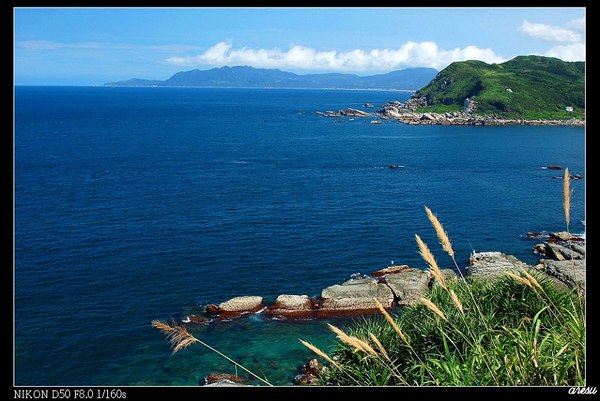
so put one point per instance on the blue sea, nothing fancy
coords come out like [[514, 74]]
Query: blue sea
[[134, 204]]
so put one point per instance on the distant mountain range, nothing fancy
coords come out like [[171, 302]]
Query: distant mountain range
[[249, 77]]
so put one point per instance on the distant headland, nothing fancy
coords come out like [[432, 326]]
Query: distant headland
[[409, 79]]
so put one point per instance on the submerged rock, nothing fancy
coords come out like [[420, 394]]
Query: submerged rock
[[309, 373], [306, 380], [536, 235], [212, 309], [224, 379], [227, 383], [312, 367], [195, 319]]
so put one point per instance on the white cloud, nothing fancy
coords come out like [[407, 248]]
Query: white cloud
[[410, 54], [572, 52], [549, 32], [578, 24]]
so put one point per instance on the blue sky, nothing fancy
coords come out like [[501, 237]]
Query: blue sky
[[91, 46]]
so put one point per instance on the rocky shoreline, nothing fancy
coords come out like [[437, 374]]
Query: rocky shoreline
[[562, 259], [406, 112]]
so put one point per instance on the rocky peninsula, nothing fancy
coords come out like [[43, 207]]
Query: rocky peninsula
[[408, 113]]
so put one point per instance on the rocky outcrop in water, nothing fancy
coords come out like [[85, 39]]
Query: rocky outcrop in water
[[349, 112], [354, 296], [240, 305], [292, 306], [195, 319], [494, 265], [224, 377], [224, 380], [309, 373], [563, 257], [395, 285]]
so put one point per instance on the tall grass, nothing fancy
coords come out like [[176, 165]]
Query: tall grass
[[516, 330], [567, 197], [536, 338]]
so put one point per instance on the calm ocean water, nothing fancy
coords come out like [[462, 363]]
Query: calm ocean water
[[133, 204]]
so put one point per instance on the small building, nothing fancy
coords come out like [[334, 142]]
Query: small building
[[509, 90], [569, 108]]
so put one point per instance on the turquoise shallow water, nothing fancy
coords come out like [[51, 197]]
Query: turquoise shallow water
[[133, 204]]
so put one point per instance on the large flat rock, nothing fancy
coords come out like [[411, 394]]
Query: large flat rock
[[390, 270], [560, 252], [570, 272], [354, 297], [408, 285], [241, 304], [299, 306], [491, 265]]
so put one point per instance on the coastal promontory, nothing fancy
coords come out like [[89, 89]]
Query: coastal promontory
[[524, 88]]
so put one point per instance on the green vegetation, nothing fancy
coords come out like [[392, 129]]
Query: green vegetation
[[515, 334], [527, 87], [519, 329]]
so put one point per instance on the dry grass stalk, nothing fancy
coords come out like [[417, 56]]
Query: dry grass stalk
[[354, 342], [441, 233], [532, 279], [439, 278], [432, 307], [390, 321], [319, 352], [519, 279], [365, 346], [178, 336], [567, 197], [456, 301], [380, 346], [430, 259]]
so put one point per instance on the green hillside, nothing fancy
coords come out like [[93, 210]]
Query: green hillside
[[528, 87]]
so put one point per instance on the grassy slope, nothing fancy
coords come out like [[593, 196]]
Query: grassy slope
[[541, 88], [515, 335]]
